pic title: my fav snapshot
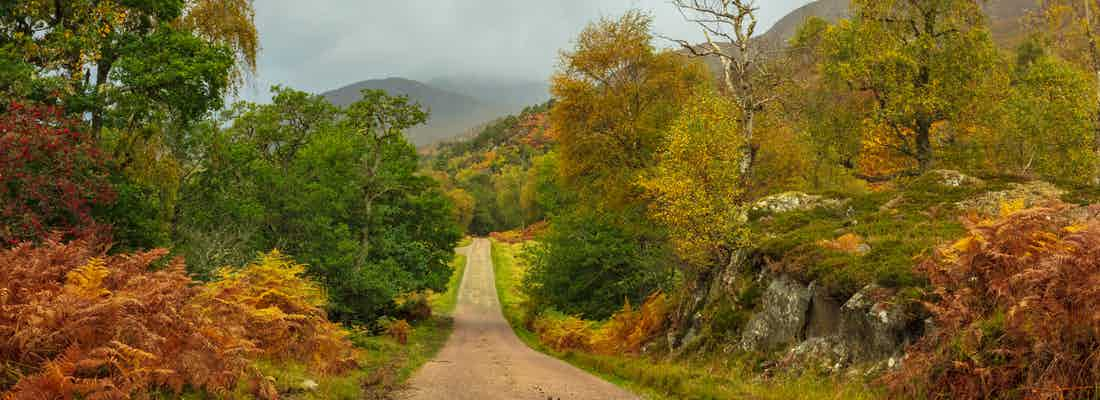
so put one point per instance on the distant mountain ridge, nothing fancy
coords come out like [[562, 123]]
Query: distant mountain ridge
[[456, 104], [1004, 17]]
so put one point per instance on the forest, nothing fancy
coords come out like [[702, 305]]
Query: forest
[[896, 204]]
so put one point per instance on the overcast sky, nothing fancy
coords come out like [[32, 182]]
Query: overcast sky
[[318, 45]]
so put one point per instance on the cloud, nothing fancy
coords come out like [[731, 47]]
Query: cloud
[[319, 45]]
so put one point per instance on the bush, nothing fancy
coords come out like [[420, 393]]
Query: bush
[[587, 265], [563, 332], [52, 176], [75, 323], [625, 333], [272, 304], [629, 329], [1015, 311]]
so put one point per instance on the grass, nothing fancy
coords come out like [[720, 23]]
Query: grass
[[651, 378], [901, 226]]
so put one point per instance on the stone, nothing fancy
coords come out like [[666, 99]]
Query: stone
[[954, 179], [823, 317], [781, 319], [826, 353], [309, 385], [874, 327], [1029, 195], [792, 201]]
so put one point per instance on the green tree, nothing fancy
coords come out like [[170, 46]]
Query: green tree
[[921, 66], [1050, 123]]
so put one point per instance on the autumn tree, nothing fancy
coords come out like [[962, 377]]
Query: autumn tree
[[730, 27], [919, 65], [1049, 123], [697, 182], [615, 97]]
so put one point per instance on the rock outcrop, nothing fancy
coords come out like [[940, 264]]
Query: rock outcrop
[[1027, 195], [792, 201], [782, 318], [872, 325]]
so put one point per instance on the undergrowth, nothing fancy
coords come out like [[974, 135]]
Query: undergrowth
[[651, 376], [899, 226]]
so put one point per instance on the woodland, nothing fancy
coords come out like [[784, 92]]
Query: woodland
[[157, 241]]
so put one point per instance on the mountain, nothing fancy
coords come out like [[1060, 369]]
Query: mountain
[[1004, 17], [515, 94], [451, 113]]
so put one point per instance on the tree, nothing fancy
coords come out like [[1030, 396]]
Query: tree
[[381, 119], [696, 185], [730, 29], [96, 56], [588, 264], [1050, 123], [615, 96], [1075, 26], [919, 65]]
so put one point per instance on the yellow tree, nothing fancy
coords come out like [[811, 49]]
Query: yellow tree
[[615, 98], [231, 23], [696, 185], [747, 76]]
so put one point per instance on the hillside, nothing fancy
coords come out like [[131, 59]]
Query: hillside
[[514, 94], [451, 113], [1004, 18]]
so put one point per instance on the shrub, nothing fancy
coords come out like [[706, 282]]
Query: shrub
[[1015, 311], [74, 323], [51, 176], [588, 262], [272, 304], [629, 329], [563, 332]]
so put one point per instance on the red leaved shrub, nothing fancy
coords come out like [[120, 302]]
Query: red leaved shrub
[[76, 323], [51, 176], [1016, 311]]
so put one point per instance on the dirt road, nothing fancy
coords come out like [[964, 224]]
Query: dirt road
[[484, 360]]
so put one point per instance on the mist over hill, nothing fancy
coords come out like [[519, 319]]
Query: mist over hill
[[456, 104]]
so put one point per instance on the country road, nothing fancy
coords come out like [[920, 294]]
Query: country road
[[484, 360]]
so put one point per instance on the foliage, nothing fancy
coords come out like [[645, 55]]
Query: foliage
[[1051, 124], [121, 61], [52, 176], [562, 332], [921, 69], [697, 183], [76, 323], [615, 99], [586, 265], [499, 170], [629, 329], [279, 310], [1013, 310], [236, 202]]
